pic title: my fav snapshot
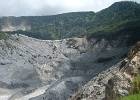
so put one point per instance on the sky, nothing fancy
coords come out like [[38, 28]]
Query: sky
[[51, 7]]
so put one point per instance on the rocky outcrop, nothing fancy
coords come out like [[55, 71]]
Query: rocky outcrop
[[114, 82], [95, 88], [117, 86], [121, 83]]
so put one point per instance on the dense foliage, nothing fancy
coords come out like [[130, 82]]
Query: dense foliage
[[52, 27], [118, 16], [121, 17]]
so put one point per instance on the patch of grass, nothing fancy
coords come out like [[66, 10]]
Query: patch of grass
[[3, 35], [135, 92], [136, 85], [131, 97]]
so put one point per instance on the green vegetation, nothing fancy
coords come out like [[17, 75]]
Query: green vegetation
[[53, 27], [3, 35], [132, 97], [121, 17], [136, 85], [135, 92]]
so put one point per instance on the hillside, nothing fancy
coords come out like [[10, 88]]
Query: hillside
[[120, 17], [116, 15], [48, 27]]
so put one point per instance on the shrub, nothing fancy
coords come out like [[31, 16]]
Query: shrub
[[135, 91], [3, 35]]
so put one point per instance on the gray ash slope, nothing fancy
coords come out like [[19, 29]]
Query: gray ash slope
[[102, 53], [53, 69]]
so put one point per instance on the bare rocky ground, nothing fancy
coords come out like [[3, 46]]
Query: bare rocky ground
[[52, 69], [113, 82]]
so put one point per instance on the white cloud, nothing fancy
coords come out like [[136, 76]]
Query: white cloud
[[48, 7]]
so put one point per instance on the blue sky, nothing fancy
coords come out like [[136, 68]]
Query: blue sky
[[51, 7]]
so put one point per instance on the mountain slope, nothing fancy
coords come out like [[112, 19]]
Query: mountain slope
[[48, 27], [54, 69], [121, 16]]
